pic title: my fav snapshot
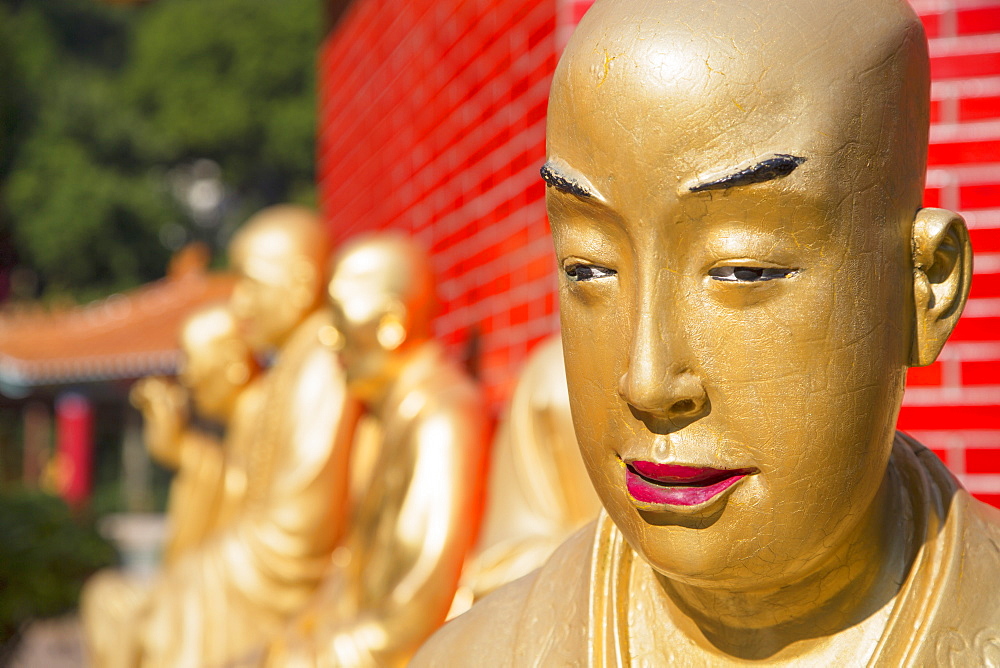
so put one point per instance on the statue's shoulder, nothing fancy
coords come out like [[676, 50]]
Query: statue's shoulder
[[445, 393], [981, 550], [965, 630], [485, 635], [253, 398], [984, 520], [539, 619], [450, 382]]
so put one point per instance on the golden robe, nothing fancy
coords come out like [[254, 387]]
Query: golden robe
[[539, 491], [395, 574], [208, 490], [217, 602], [210, 486], [195, 493], [576, 610]]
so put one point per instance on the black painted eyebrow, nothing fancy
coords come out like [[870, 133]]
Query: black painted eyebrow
[[777, 166], [555, 178]]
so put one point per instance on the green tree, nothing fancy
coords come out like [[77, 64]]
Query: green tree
[[110, 104], [45, 556], [238, 88]]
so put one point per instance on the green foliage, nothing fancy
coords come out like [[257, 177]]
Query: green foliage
[[244, 71], [45, 556], [100, 103]]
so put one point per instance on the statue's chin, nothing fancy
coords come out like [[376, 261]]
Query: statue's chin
[[730, 552]]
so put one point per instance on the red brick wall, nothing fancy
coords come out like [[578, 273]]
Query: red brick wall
[[433, 122], [953, 406]]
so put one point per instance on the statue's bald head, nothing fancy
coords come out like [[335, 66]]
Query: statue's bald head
[[381, 295], [217, 361], [275, 239], [279, 254], [843, 85], [387, 271], [208, 326]]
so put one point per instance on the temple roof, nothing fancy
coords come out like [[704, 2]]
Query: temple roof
[[126, 335]]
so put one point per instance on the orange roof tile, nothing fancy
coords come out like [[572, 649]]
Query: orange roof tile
[[124, 336]]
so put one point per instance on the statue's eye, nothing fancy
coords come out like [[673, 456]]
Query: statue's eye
[[587, 272], [749, 274]]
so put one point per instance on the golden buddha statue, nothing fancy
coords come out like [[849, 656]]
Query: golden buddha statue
[[218, 372], [394, 575], [241, 584], [734, 193], [538, 489], [222, 377]]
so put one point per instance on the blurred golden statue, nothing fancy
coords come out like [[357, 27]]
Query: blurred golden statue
[[734, 192], [244, 581], [218, 372], [395, 574], [539, 491], [221, 375]]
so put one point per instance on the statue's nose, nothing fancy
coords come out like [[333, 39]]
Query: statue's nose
[[675, 395], [661, 380]]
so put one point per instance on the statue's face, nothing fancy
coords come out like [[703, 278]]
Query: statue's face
[[736, 352], [272, 294], [380, 293], [205, 372], [265, 316], [278, 255], [364, 361], [358, 305]]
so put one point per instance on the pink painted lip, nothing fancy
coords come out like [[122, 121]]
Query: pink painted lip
[[675, 485]]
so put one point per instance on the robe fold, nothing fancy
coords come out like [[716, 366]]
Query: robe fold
[[412, 526], [282, 509]]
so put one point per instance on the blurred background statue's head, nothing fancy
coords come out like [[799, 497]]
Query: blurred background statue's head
[[218, 363], [279, 254], [381, 293]]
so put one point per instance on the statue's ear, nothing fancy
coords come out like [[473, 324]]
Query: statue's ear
[[942, 271], [392, 326]]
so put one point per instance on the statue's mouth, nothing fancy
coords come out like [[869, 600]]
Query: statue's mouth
[[673, 485]]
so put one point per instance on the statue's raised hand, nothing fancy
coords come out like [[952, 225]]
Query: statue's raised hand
[[164, 407]]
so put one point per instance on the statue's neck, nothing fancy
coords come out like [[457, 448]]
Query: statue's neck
[[852, 585]]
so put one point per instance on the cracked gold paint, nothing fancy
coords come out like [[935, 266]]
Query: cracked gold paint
[[847, 544]]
